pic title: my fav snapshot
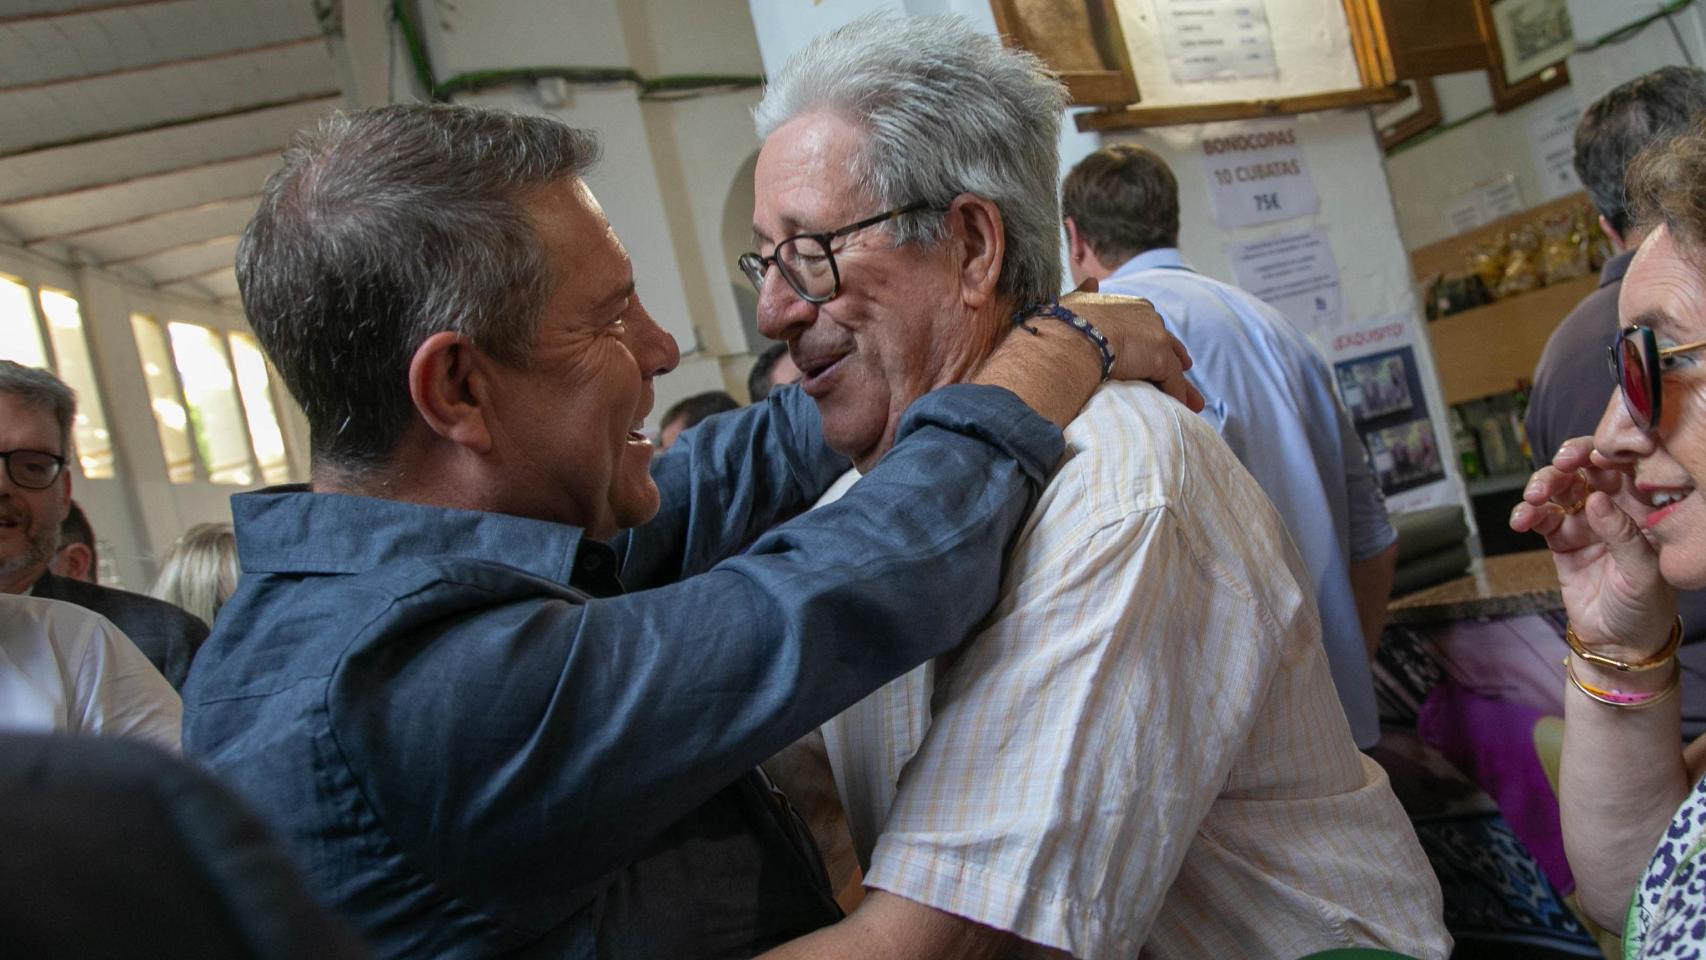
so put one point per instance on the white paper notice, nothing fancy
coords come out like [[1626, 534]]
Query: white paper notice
[[1464, 214], [1216, 39], [1552, 137], [1296, 274], [1500, 198], [1484, 204], [1256, 172]]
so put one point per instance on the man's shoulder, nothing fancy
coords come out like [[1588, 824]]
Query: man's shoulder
[[132, 612], [35, 617], [1135, 449], [1584, 331]]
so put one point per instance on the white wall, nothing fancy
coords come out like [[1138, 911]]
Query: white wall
[[669, 167], [1427, 177]]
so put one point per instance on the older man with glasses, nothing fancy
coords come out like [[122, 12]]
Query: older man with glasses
[[1142, 752], [36, 411]]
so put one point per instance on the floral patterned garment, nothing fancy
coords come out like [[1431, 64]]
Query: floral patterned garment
[[1667, 919]]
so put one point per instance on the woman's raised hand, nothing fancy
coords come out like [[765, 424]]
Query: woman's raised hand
[[1618, 602]]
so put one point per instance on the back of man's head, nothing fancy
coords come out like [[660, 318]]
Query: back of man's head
[[76, 528], [382, 228], [1651, 108], [1124, 200], [947, 110], [694, 410], [38, 388], [76, 558], [758, 384]]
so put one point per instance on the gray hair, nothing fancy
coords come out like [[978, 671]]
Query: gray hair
[[947, 110], [1647, 110], [199, 572], [384, 227], [41, 389]]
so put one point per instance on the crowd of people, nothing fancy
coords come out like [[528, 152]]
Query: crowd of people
[[999, 623]]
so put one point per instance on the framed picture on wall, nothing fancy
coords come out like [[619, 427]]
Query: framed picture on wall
[[1080, 40], [1527, 41], [1410, 117]]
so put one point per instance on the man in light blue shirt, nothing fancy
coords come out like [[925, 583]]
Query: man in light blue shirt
[[1269, 393]]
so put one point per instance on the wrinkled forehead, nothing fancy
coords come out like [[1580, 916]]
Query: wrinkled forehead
[[806, 179], [1665, 288]]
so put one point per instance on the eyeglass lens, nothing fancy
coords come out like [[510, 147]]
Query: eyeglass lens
[[30, 469], [806, 263], [1635, 377]]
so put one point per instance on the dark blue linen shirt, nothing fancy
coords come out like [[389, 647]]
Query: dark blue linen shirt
[[478, 744]]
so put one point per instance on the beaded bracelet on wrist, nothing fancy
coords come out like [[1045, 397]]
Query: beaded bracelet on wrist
[[1073, 320], [1637, 666], [1623, 700]]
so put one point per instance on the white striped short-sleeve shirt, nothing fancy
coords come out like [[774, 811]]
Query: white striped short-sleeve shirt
[[1142, 751]]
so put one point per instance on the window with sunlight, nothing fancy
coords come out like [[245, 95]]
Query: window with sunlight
[[169, 414], [215, 413], [71, 350], [255, 385], [20, 335]]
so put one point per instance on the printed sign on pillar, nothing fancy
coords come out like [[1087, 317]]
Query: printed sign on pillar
[[1296, 274], [1384, 388], [1256, 172]]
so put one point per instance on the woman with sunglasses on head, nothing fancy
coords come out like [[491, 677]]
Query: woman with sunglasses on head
[[1626, 523]]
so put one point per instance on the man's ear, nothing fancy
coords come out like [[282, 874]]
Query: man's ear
[[447, 386], [73, 562], [1076, 248], [1611, 234], [976, 223]]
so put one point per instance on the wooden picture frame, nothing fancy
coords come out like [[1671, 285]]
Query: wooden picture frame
[[1080, 40], [1527, 42], [1411, 117]]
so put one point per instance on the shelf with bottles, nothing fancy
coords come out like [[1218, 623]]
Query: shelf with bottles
[[1492, 446]]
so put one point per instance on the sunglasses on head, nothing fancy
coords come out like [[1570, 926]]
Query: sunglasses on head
[[1635, 366]]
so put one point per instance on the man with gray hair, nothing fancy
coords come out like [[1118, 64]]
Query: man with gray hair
[[499, 679], [1142, 752], [36, 412]]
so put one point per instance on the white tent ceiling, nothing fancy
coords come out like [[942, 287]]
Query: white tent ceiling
[[136, 134]]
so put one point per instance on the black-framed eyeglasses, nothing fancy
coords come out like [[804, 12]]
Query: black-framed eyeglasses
[[32, 469], [1635, 356], [806, 261]]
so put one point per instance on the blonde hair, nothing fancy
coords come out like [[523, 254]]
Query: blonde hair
[[199, 571]]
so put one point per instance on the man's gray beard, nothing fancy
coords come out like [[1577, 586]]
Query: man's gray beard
[[40, 551]]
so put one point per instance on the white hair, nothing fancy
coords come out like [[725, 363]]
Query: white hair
[[199, 572], [947, 110]]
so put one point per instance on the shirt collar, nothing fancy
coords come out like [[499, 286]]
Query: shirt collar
[[289, 529], [1615, 268], [1151, 260]]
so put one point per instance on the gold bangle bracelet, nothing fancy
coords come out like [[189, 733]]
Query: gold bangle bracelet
[[1651, 663], [1621, 700]]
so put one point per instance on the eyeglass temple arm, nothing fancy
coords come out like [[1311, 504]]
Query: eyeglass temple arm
[[1681, 348]]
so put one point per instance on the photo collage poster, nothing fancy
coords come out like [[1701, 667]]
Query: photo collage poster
[[1383, 393]]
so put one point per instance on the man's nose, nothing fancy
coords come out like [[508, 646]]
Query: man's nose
[[782, 313], [657, 352]]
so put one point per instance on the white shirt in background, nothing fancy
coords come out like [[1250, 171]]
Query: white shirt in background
[[67, 669], [1143, 751]]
